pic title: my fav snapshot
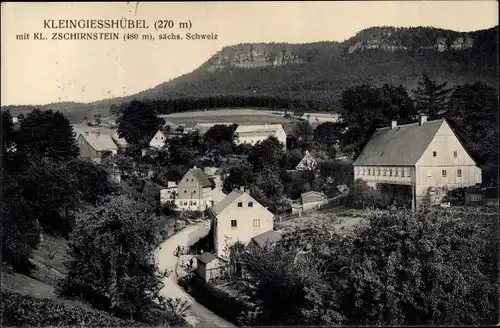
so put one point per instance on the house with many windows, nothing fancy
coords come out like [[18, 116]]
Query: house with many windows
[[194, 191], [238, 218], [420, 162]]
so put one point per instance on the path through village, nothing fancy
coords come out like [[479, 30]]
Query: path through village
[[199, 316]]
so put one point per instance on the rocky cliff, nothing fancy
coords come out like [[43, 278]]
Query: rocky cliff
[[375, 38]]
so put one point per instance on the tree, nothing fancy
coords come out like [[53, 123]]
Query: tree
[[430, 97], [329, 133], [90, 180], [429, 267], [113, 265], [303, 133], [8, 137], [20, 229], [268, 153], [138, 122], [48, 134], [50, 191], [365, 108], [471, 110]]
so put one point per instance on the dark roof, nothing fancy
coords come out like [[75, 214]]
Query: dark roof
[[201, 177], [226, 201], [206, 257], [270, 236], [403, 145]]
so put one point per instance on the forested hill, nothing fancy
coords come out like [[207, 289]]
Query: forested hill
[[316, 73]]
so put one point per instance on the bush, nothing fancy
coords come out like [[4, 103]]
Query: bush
[[362, 196], [25, 310]]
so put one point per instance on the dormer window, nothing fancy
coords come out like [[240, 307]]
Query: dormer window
[[240, 204]]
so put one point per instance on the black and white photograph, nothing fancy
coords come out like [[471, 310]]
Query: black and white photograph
[[250, 163]]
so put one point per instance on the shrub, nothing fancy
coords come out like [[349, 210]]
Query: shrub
[[25, 310]]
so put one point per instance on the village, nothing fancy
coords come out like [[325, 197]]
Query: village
[[312, 166], [220, 204]]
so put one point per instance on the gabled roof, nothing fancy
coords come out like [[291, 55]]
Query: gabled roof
[[158, 134], [270, 236], [307, 157], [226, 201], [403, 145], [313, 196], [100, 142], [206, 257], [201, 177], [257, 130]]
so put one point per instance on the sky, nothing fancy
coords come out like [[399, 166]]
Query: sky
[[39, 72]]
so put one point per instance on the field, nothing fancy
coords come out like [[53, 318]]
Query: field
[[238, 116]]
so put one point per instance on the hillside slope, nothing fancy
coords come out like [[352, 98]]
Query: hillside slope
[[322, 70]]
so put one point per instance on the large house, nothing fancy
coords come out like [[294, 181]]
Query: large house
[[252, 134], [95, 145], [419, 162], [194, 191], [238, 217]]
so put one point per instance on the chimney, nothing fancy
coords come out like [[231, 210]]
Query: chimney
[[394, 124], [194, 167], [242, 188], [423, 119]]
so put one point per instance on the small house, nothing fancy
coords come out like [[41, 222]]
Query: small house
[[208, 266], [96, 145]]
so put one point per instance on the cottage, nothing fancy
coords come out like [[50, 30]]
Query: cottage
[[252, 134], [158, 140], [194, 191], [307, 163], [95, 145], [313, 200], [238, 217], [418, 162], [208, 266]]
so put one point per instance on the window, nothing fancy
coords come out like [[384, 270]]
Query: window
[[378, 171], [240, 204], [368, 171], [250, 204], [234, 223], [194, 191], [459, 173], [385, 172], [403, 173], [256, 222], [443, 173], [396, 172], [185, 203], [455, 154], [185, 191], [434, 154], [194, 203], [390, 172]]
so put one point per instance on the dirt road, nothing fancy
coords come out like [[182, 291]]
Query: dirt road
[[199, 316]]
